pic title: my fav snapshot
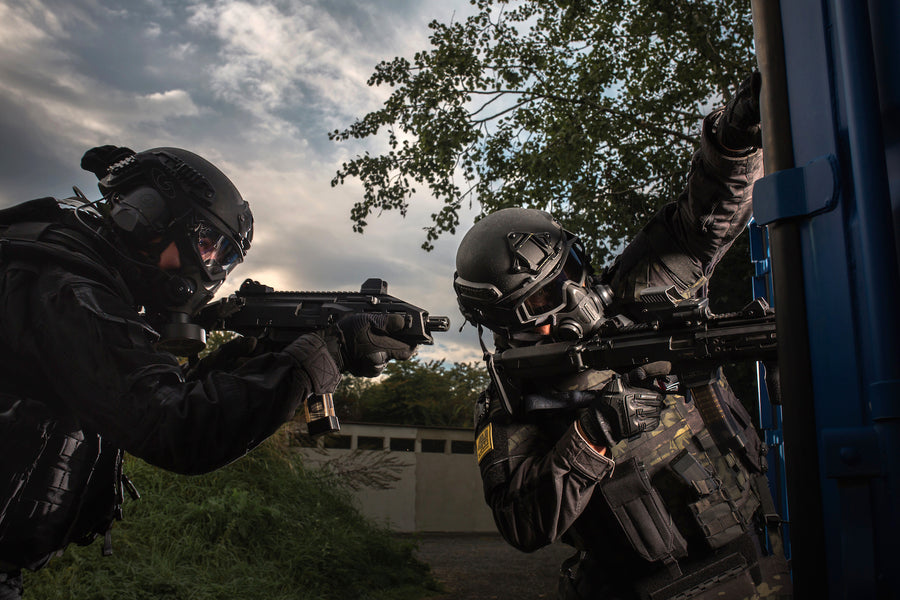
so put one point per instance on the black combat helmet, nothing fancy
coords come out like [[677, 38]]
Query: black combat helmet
[[166, 195], [518, 269]]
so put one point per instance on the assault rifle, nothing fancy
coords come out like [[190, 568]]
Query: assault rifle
[[280, 317], [680, 331]]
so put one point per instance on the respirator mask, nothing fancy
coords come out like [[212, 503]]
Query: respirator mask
[[566, 302], [207, 257], [518, 270]]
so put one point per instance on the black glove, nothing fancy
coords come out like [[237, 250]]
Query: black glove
[[98, 160], [226, 357], [620, 411], [739, 126], [364, 343]]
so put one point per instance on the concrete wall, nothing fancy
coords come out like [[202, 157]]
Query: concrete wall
[[437, 486]]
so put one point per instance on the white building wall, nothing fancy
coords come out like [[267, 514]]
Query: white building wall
[[438, 486]]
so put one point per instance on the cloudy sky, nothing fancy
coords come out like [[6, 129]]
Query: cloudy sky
[[252, 85]]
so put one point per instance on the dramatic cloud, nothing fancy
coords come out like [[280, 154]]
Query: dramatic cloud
[[253, 85]]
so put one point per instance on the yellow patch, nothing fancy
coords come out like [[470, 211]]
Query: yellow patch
[[484, 443]]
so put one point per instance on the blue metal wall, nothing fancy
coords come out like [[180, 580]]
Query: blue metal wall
[[842, 63], [770, 418]]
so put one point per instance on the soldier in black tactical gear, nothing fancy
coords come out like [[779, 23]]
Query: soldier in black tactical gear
[[657, 503], [87, 291]]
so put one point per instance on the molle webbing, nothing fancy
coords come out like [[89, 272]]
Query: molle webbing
[[709, 398], [725, 503]]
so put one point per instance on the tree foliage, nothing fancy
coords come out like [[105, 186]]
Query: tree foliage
[[414, 392], [589, 109]]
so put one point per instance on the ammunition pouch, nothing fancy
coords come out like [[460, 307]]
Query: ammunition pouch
[[721, 512], [644, 518], [729, 570], [734, 571]]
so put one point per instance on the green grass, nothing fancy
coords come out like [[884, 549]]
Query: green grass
[[262, 527]]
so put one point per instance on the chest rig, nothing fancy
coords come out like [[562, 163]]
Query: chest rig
[[690, 495], [58, 483]]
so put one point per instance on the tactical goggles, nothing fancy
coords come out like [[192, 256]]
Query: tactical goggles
[[217, 252]]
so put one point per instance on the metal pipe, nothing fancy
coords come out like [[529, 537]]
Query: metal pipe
[[800, 438]]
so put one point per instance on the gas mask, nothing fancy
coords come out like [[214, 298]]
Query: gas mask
[[567, 303], [207, 257], [518, 270], [582, 315]]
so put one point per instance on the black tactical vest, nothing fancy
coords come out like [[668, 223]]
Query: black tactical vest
[[58, 483]]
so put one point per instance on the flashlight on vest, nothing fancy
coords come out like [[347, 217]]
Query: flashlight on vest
[[320, 415]]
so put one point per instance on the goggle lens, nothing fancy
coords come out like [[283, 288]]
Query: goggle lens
[[216, 250], [550, 297]]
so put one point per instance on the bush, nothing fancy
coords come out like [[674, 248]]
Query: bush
[[262, 527]]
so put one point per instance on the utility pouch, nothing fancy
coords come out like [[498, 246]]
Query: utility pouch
[[721, 512], [734, 571], [643, 516], [727, 420]]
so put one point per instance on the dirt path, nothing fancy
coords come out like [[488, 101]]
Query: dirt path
[[484, 567]]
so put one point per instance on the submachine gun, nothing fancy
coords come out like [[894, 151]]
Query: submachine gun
[[683, 332], [280, 317]]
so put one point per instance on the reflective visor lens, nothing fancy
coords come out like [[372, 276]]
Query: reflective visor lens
[[215, 249], [551, 297]]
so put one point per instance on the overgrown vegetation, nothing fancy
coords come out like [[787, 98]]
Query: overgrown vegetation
[[263, 527]]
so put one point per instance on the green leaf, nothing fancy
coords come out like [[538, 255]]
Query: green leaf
[[590, 109]]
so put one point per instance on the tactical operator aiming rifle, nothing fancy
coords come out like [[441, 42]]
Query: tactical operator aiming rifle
[[682, 332], [280, 317]]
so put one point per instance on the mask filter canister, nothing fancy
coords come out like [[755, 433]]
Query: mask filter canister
[[181, 337], [582, 317]]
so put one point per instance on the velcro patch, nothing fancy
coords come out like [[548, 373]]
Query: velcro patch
[[484, 443]]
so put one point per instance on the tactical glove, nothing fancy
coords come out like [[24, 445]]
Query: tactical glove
[[739, 126], [98, 160], [226, 357], [362, 344], [620, 411]]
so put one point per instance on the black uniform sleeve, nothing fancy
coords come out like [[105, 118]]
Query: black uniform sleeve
[[684, 241], [536, 486], [98, 357]]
